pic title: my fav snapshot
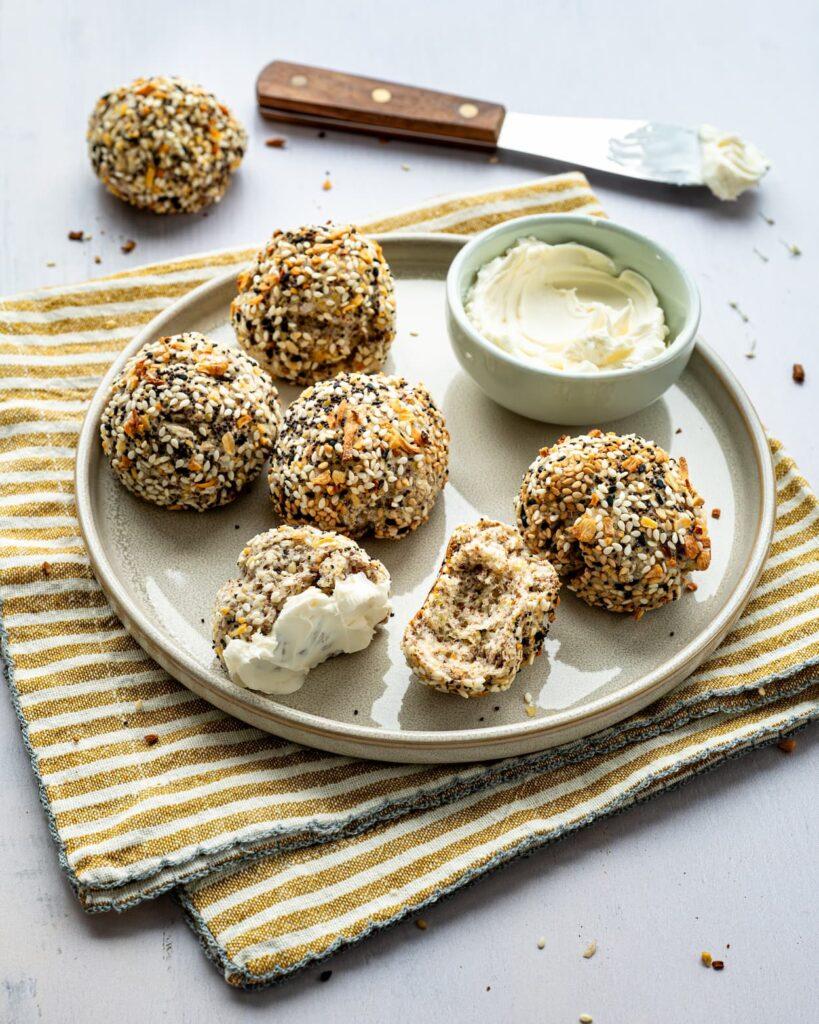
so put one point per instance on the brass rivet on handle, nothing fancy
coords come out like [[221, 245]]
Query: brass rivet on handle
[[468, 110], [299, 81], [381, 95]]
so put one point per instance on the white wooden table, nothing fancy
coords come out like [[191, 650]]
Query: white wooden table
[[728, 859]]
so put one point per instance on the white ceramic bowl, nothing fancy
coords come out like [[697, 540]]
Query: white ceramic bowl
[[553, 396]]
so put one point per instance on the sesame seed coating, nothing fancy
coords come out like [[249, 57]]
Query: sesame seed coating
[[487, 613], [279, 564], [189, 422], [360, 453], [314, 302], [164, 144], [618, 517]]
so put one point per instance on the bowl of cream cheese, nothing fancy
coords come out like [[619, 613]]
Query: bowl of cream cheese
[[570, 319]]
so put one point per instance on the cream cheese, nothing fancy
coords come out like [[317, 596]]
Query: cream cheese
[[730, 165], [565, 307], [311, 627]]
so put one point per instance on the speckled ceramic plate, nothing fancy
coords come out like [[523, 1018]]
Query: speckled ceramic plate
[[161, 570]]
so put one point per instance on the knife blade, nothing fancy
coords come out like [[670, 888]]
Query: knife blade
[[647, 150]]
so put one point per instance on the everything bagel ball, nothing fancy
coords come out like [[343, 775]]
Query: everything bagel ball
[[314, 302], [165, 145], [189, 422], [618, 518], [360, 453]]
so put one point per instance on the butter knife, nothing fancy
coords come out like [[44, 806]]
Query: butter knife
[[648, 150]]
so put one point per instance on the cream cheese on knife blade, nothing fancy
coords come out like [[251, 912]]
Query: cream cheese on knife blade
[[730, 164], [565, 307]]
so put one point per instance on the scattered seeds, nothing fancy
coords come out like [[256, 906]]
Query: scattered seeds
[[751, 353], [98, 259], [541, 943], [716, 513], [413, 334], [761, 255], [50, 263], [740, 312], [792, 248], [276, 142], [325, 975], [494, 158], [678, 430], [128, 246], [46, 567], [77, 236], [585, 1018], [706, 958], [787, 746], [590, 950], [327, 185], [799, 373], [151, 738], [405, 167], [718, 965], [768, 220], [139, 704], [762, 691], [322, 135], [421, 924]]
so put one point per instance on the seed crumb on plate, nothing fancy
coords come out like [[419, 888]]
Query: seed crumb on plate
[[590, 950]]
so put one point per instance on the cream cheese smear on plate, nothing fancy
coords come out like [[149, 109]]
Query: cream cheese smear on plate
[[311, 627], [565, 307]]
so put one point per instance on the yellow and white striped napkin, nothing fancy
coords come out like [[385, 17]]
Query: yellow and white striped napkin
[[280, 854]]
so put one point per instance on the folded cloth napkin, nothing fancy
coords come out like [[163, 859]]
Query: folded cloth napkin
[[278, 854]]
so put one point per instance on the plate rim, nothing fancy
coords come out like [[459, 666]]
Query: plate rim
[[390, 744]]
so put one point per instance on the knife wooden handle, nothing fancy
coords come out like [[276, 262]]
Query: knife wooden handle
[[297, 92]]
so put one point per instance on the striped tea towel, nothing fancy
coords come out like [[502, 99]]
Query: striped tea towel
[[279, 854]]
